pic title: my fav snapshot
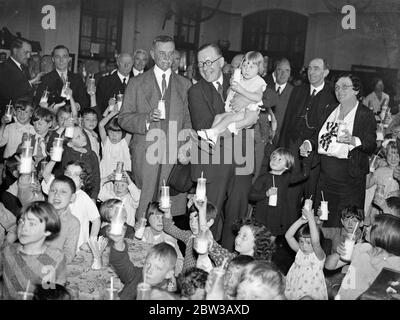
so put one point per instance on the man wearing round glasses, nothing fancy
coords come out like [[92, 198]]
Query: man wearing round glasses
[[226, 189]]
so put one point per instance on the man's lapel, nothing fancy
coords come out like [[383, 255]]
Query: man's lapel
[[151, 89]]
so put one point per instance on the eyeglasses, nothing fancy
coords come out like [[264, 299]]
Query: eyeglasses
[[343, 87], [207, 63]]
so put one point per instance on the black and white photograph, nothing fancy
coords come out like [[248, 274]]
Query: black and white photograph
[[221, 151]]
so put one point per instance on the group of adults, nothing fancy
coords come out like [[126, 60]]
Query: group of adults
[[325, 126]]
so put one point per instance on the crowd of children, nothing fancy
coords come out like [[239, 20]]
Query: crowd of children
[[49, 212]]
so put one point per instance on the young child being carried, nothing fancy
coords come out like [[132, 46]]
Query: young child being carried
[[250, 85]]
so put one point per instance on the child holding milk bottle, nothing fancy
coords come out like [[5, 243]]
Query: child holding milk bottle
[[269, 192]]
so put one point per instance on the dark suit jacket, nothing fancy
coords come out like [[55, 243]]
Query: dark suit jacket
[[204, 104], [297, 103], [364, 128], [13, 83], [106, 88], [54, 84]]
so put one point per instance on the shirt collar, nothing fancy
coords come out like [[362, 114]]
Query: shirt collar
[[282, 86], [220, 80], [122, 77], [317, 89], [158, 72], [273, 77], [16, 62], [65, 73], [136, 72]]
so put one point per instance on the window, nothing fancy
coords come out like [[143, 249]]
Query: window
[[101, 26], [276, 33]]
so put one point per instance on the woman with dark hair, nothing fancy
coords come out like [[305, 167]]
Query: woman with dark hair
[[343, 143], [377, 98]]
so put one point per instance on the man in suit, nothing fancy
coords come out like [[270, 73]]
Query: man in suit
[[227, 188], [153, 154], [15, 81], [140, 59], [305, 109], [276, 97], [115, 83], [55, 80]]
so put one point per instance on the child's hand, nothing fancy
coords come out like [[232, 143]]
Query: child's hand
[[235, 86], [4, 120], [340, 249], [199, 204], [70, 122], [126, 175], [309, 214], [111, 176], [271, 191]]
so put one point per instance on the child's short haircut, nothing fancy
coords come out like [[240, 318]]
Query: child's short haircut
[[385, 233], [107, 207], [241, 260], [86, 175], [264, 243], [193, 278], [152, 208], [66, 180], [57, 293], [211, 211], [42, 114], [353, 211], [390, 145], [46, 213], [257, 58], [267, 274], [164, 250], [86, 111], [24, 103], [287, 155], [394, 204], [304, 232], [11, 164], [114, 126]]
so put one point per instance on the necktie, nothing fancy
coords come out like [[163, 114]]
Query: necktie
[[219, 89], [313, 93], [163, 85], [278, 90], [63, 78], [39, 151], [124, 84]]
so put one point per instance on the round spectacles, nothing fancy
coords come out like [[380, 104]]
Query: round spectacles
[[343, 87], [207, 63]]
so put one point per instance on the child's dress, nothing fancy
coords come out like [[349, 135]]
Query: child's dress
[[113, 153], [275, 218], [306, 278]]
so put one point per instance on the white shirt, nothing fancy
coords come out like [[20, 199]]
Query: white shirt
[[17, 63], [122, 77], [136, 72], [280, 86], [65, 73], [158, 73], [317, 89]]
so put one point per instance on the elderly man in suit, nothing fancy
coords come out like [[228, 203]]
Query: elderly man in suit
[[154, 144], [305, 109], [140, 59], [15, 81], [227, 187], [115, 83], [55, 80]]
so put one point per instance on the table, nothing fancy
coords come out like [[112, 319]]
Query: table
[[87, 284]]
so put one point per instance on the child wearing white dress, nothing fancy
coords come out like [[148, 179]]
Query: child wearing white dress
[[114, 143], [305, 276], [251, 86]]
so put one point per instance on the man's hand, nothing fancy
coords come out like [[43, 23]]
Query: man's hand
[[36, 80], [239, 102], [155, 115], [305, 149], [184, 152]]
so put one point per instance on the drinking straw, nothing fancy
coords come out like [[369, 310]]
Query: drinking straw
[[202, 174], [323, 199], [27, 290], [273, 181], [121, 207], [311, 197], [355, 228], [112, 289], [164, 182]]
